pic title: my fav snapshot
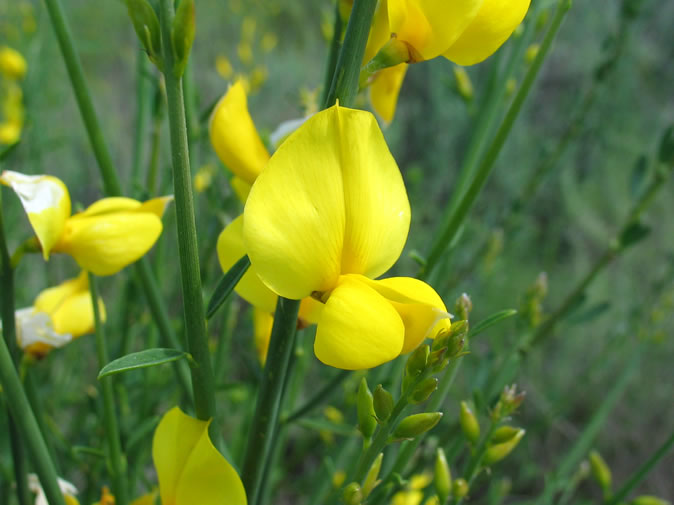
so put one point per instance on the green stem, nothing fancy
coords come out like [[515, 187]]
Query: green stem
[[23, 425], [453, 225], [333, 54], [344, 85], [143, 106], [260, 439], [115, 454], [157, 117], [193, 302], [321, 396], [642, 472]]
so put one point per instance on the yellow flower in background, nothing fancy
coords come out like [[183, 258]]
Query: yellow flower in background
[[12, 113], [58, 315], [268, 42], [224, 67], [69, 490], [189, 468], [384, 91], [203, 178], [346, 224], [413, 494], [12, 64], [109, 235]]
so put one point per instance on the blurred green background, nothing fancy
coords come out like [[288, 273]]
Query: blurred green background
[[561, 230]]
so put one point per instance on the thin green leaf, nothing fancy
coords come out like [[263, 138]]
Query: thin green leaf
[[323, 425], [226, 285], [490, 321], [590, 314], [142, 359]]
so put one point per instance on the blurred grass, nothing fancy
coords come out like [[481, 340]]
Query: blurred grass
[[562, 231]]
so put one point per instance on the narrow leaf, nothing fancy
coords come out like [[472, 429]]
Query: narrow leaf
[[142, 359], [226, 285], [590, 313], [490, 321], [634, 234]]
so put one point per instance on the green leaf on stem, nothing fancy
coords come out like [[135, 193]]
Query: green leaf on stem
[[226, 285], [142, 359], [490, 321]]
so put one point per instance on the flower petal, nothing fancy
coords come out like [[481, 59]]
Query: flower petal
[[421, 309], [46, 201], [234, 136], [250, 287], [35, 332], [262, 324], [384, 91], [109, 205], [241, 188], [431, 26], [156, 206], [104, 244], [380, 32], [313, 214], [492, 26], [358, 328], [190, 470]]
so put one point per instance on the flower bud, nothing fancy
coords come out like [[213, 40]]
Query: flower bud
[[463, 83], [424, 390], [649, 500], [353, 495], [367, 421], [531, 53], [497, 452], [12, 63], [600, 471], [372, 475], [416, 363], [383, 404], [460, 488], [182, 35], [469, 424], [414, 425], [503, 434], [463, 306], [443, 476], [146, 25]]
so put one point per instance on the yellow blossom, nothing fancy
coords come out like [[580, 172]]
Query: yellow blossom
[[224, 67], [268, 42], [189, 468], [12, 64], [109, 235], [203, 178], [346, 224], [10, 132], [245, 52]]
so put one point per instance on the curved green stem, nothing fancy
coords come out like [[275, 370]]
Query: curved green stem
[[321, 396], [112, 435], [260, 438], [195, 321]]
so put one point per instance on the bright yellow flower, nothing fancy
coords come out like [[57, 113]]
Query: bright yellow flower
[[384, 90], [234, 136], [327, 215], [109, 235], [189, 468], [10, 132], [12, 64]]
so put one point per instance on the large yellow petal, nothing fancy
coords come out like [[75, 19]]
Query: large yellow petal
[[50, 299], [234, 136], [104, 244], [111, 204], [250, 287], [330, 201], [384, 91], [358, 328], [380, 32], [420, 307], [431, 26], [492, 26], [46, 201], [189, 468]]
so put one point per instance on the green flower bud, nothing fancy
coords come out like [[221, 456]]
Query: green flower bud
[[367, 421], [383, 404], [443, 476], [469, 424], [414, 425], [497, 452], [463, 306], [182, 35], [600, 471], [146, 25], [353, 495], [424, 390], [463, 83], [503, 434], [416, 363], [649, 500], [460, 488], [372, 474]]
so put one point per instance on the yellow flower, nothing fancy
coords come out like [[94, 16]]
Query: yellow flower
[[69, 491], [12, 64], [58, 315], [109, 235], [189, 468], [327, 215], [10, 132], [384, 90], [224, 67]]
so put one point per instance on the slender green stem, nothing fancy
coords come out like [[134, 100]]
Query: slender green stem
[[115, 454], [321, 396], [453, 225], [143, 107], [193, 302], [23, 424], [269, 397], [157, 117], [642, 472], [86, 106], [333, 54], [344, 85], [475, 463], [36, 404]]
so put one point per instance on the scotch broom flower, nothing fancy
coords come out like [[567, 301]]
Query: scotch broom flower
[[58, 315], [109, 235], [189, 468], [327, 216], [12, 63]]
